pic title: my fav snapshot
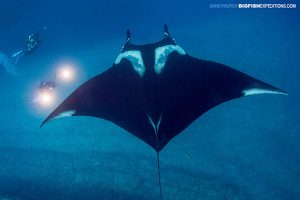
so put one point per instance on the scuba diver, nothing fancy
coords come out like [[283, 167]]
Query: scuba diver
[[45, 95], [47, 85], [33, 43]]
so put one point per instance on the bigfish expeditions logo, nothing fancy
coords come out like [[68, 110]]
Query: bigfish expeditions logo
[[255, 6]]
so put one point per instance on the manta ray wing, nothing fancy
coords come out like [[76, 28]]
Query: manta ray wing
[[114, 95], [189, 87]]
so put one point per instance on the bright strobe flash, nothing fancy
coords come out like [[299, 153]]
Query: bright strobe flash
[[45, 99], [66, 74]]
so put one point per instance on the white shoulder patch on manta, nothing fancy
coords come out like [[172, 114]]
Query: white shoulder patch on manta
[[254, 91], [161, 56], [68, 113], [135, 57]]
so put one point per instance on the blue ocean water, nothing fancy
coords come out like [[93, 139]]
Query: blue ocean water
[[243, 149]]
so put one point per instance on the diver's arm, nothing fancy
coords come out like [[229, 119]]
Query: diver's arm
[[17, 55]]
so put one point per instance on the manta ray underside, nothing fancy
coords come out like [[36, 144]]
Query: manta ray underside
[[155, 91]]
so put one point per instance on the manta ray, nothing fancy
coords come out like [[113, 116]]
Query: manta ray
[[154, 91]]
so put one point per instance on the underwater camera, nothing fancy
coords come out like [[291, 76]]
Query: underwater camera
[[46, 94], [47, 85]]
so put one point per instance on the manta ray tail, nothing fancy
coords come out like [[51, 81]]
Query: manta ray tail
[[157, 153], [158, 168]]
